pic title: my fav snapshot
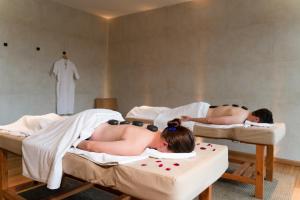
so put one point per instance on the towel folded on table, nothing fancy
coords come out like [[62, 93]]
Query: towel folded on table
[[245, 125], [107, 159], [266, 125]]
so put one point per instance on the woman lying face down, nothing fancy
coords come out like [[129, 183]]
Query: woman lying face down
[[129, 140]]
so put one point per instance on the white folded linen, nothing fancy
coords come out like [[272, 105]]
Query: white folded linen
[[220, 126], [145, 112], [43, 151], [157, 154], [108, 159], [266, 125], [246, 124], [28, 124], [197, 109]]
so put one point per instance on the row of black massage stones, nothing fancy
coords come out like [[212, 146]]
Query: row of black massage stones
[[135, 123], [233, 105]]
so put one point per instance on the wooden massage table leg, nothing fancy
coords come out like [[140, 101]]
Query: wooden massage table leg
[[270, 162], [206, 194], [259, 179], [3, 173], [249, 174]]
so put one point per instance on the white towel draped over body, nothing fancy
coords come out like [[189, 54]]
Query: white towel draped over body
[[198, 109], [43, 151]]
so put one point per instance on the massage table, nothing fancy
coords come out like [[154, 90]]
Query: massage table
[[262, 137], [166, 179]]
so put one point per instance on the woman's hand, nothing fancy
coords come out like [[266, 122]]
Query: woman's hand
[[185, 118], [83, 145]]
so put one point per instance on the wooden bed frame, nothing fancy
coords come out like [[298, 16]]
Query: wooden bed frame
[[11, 193], [254, 172]]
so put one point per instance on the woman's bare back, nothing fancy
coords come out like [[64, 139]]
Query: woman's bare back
[[227, 111], [107, 132], [118, 140]]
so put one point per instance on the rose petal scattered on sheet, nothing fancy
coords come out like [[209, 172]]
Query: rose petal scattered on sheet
[[158, 161], [168, 169], [202, 148], [176, 164], [143, 164], [160, 165], [214, 149]]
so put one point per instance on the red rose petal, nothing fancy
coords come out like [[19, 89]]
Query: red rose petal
[[143, 164], [214, 149], [176, 164], [202, 148], [160, 165], [158, 161], [168, 169]]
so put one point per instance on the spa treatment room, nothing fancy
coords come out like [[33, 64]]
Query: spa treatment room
[[149, 99]]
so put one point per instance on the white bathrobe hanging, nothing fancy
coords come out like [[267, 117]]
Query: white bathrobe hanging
[[65, 72]]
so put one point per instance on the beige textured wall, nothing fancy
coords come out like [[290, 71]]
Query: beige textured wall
[[25, 84], [230, 51]]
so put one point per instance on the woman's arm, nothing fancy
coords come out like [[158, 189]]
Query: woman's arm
[[225, 120]]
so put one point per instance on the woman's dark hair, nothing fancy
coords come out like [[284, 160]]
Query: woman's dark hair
[[179, 138], [264, 115]]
